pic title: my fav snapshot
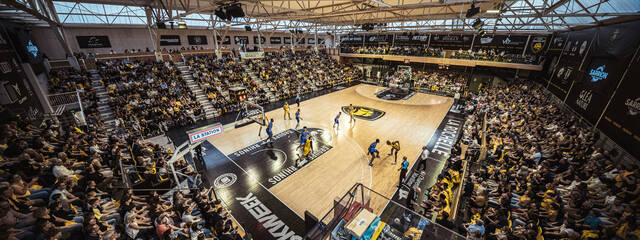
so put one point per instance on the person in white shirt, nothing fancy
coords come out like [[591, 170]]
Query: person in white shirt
[[422, 165], [60, 170]]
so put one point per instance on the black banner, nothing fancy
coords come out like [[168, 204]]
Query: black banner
[[351, 39], [19, 95], [170, 40], [509, 44], [558, 41], [320, 40], [241, 40], [577, 46], [311, 41], [378, 38], [593, 88], [93, 41], [414, 39], [300, 40], [275, 40], [197, 40], [616, 41], [537, 44], [227, 40], [262, 40], [451, 42], [620, 121], [287, 40]]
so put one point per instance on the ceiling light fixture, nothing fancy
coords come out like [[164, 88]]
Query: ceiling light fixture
[[493, 11]]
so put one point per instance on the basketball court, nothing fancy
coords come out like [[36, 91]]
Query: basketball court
[[340, 159]]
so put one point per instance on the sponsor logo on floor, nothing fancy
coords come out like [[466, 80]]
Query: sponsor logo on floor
[[255, 208], [274, 162], [365, 113]]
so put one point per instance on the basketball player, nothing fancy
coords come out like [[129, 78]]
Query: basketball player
[[263, 123], [373, 151], [308, 148], [351, 112], [298, 118], [269, 131], [336, 121], [395, 147], [286, 111], [303, 137]]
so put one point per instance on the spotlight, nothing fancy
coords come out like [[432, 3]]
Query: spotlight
[[182, 25], [235, 10], [473, 11], [477, 24], [228, 12]]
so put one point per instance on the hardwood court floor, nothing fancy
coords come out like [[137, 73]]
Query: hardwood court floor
[[316, 186]]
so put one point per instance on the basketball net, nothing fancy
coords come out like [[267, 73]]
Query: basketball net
[[250, 112]]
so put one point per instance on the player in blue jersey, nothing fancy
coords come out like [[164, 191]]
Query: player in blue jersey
[[298, 118], [304, 134], [336, 121], [269, 131], [373, 151]]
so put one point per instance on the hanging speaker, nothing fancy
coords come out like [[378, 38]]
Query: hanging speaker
[[248, 28], [161, 25], [222, 14], [235, 10]]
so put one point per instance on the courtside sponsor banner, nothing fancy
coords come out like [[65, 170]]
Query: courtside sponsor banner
[[251, 55], [199, 134]]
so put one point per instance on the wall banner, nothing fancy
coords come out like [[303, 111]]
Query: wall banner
[[93, 41], [241, 40], [170, 40], [227, 40], [593, 88], [620, 121], [275, 40], [197, 40]]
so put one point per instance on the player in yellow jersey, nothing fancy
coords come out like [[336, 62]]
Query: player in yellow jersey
[[395, 148], [308, 148], [286, 111], [263, 123], [352, 110]]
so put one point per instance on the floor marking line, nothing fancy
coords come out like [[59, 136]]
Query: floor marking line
[[309, 163], [259, 183]]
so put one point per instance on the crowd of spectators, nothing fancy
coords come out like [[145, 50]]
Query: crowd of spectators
[[148, 98], [68, 80], [288, 73], [443, 81], [63, 182], [483, 54], [216, 76], [284, 73], [543, 177]]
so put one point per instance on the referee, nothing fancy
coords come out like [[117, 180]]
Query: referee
[[403, 170]]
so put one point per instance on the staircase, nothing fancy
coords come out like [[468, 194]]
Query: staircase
[[209, 110], [103, 101], [254, 76]]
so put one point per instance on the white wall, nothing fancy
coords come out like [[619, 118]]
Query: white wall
[[140, 38]]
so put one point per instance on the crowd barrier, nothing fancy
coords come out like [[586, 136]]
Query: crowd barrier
[[392, 216]]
